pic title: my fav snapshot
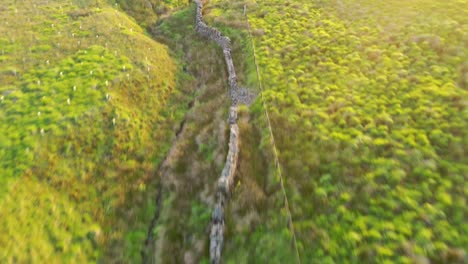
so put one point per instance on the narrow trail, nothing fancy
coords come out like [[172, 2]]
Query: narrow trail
[[226, 179]]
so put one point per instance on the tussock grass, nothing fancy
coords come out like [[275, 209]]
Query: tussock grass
[[367, 103]]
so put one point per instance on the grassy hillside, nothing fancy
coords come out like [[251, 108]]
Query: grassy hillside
[[87, 110], [375, 94]]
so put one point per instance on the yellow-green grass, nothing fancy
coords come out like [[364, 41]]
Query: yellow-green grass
[[374, 93], [85, 117], [60, 232], [368, 104]]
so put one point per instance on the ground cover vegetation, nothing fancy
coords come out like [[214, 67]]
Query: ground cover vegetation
[[88, 106], [375, 96]]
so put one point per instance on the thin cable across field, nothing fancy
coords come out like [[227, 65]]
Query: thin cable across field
[[275, 151]]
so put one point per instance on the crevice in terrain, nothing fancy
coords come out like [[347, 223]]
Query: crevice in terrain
[[160, 189]]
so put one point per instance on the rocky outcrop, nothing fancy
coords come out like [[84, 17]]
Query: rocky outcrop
[[226, 180]]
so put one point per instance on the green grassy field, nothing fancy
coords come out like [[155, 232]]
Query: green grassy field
[[375, 94], [88, 106], [368, 105]]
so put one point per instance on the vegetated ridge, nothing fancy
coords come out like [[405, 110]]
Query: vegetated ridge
[[88, 103]]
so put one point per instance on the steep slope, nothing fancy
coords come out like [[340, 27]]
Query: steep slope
[[88, 104]]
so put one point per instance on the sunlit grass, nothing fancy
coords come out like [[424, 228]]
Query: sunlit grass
[[375, 95], [84, 120], [368, 105]]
